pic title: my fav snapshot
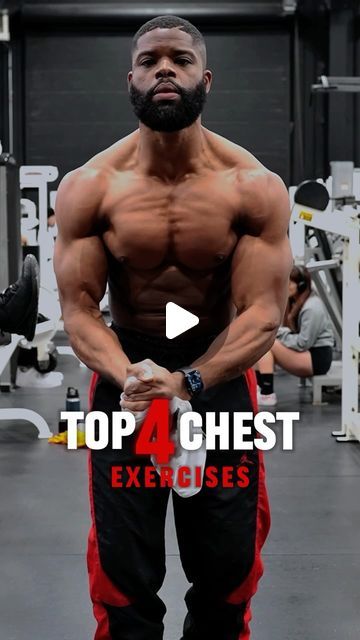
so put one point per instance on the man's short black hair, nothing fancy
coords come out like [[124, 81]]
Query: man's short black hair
[[170, 22]]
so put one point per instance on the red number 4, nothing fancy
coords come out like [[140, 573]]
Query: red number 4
[[154, 435]]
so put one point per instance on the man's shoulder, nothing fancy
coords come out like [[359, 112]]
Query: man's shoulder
[[263, 196], [260, 184], [84, 181]]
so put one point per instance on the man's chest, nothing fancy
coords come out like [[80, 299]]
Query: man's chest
[[192, 225]]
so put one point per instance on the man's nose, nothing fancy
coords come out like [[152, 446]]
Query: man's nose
[[165, 69]]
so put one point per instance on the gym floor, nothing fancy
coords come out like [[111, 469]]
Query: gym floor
[[310, 590]]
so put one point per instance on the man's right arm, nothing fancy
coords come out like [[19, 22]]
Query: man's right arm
[[81, 270]]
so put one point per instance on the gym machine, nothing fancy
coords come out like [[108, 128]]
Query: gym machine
[[332, 207], [10, 246]]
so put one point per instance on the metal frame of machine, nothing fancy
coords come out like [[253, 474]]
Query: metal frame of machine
[[343, 220]]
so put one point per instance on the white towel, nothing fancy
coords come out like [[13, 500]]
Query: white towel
[[181, 457]]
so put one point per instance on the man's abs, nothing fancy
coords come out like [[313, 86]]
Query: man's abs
[[138, 298]]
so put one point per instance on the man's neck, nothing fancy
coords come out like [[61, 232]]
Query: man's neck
[[171, 156]]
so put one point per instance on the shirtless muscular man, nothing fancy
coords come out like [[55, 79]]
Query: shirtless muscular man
[[173, 213]]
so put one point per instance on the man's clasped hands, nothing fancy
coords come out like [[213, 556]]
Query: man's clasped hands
[[146, 381]]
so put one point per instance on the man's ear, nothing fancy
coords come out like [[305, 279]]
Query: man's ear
[[207, 80], [129, 78]]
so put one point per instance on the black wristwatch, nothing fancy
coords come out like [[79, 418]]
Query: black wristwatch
[[193, 382]]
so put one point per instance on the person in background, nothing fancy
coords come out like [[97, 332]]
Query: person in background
[[51, 220], [304, 343], [19, 302]]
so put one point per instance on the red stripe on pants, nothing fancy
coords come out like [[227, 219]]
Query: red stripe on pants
[[92, 386], [248, 588], [102, 590]]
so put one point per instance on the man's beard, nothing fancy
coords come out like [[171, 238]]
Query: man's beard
[[169, 115]]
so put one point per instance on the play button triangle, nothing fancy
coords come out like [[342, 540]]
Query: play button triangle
[[178, 320]]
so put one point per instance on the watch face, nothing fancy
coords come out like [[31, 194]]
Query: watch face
[[195, 382]]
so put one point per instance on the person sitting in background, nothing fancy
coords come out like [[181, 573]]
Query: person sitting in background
[[19, 314], [19, 302], [304, 343]]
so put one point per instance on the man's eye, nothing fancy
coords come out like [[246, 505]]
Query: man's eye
[[147, 62], [182, 61]]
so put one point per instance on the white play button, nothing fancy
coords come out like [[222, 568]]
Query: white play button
[[178, 320]]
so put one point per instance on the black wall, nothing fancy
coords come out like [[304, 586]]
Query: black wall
[[76, 100], [70, 95], [357, 99]]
